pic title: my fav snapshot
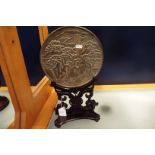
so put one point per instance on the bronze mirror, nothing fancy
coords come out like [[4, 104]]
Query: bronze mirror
[[71, 56]]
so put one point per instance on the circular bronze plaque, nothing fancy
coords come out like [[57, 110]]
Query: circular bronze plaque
[[71, 56]]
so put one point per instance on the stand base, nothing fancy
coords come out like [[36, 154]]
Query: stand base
[[76, 109], [3, 102], [81, 114]]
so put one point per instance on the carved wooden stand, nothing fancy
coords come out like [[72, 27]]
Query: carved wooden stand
[[76, 109]]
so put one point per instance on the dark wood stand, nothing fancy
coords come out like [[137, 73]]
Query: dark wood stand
[[76, 110]]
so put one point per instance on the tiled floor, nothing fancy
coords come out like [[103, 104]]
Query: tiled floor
[[119, 109]]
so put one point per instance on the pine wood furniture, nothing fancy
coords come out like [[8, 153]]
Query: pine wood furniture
[[33, 106]]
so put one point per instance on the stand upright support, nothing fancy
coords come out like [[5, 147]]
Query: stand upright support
[[77, 109]]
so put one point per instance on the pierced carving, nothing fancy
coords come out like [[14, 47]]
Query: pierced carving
[[75, 109]]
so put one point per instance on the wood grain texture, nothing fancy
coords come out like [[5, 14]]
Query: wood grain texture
[[43, 33], [27, 103], [46, 112], [5, 66], [124, 86]]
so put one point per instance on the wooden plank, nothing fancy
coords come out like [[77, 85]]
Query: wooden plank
[[16, 71], [124, 86], [43, 82], [27, 103], [12, 125], [43, 33], [15, 74], [47, 109], [45, 115], [108, 87], [9, 83]]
